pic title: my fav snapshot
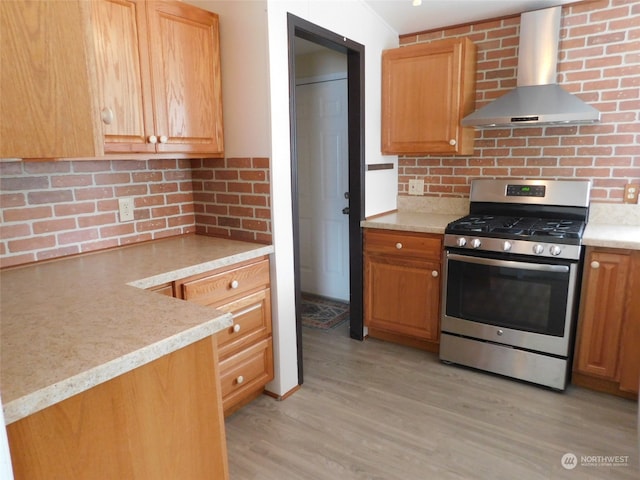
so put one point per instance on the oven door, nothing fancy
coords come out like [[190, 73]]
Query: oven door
[[527, 304]]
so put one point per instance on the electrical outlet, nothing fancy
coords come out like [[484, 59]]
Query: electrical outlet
[[631, 193], [416, 187], [126, 209]]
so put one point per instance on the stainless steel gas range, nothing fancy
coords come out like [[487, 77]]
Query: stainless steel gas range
[[512, 271]]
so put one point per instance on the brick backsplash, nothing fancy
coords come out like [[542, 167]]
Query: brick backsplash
[[54, 209], [233, 198], [599, 62]]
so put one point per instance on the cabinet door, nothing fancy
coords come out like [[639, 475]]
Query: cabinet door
[[426, 90], [119, 39], [604, 291], [629, 376], [402, 296], [47, 97], [185, 70]]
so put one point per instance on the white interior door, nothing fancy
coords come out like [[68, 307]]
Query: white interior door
[[323, 179]]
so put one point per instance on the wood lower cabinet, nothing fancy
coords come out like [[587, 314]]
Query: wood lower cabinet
[[245, 350], [402, 287], [427, 89], [607, 355], [161, 420]]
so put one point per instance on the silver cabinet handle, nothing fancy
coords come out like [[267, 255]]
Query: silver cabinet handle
[[398, 245]]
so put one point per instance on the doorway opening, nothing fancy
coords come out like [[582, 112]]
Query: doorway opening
[[305, 176]]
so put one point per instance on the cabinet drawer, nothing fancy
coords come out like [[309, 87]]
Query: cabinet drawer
[[403, 244], [211, 290], [251, 322], [244, 373]]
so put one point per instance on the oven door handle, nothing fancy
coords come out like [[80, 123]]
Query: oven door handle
[[542, 267]]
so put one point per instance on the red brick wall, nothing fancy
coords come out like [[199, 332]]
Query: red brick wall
[[233, 198], [599, 61], [53, 209]]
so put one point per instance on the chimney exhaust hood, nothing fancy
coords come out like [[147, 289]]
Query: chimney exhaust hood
[[537, 98]]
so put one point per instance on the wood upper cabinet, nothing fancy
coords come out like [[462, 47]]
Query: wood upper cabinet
[[427, 89], [80, 79], [402, 287], [158, 76], [47, 96], [607, 353]]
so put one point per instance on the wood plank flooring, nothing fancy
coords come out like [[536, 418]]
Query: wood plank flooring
[[375, 410]]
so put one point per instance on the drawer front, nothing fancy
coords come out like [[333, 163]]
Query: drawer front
[[164, 289], [217, 288], [251, 322], [403, 244], [244, 373]]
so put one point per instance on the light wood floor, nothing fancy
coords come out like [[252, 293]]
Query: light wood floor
[[375, 410]]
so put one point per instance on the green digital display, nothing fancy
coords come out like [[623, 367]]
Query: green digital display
[[525, 189]]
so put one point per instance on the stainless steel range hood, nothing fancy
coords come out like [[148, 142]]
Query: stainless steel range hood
[[537, 98]]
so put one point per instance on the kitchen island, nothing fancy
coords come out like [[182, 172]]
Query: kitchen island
[[85, 327]]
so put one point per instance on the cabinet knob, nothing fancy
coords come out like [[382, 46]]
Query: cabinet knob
[[240, 380], [434, 274], [398, 245], [452, 142], [153, 139], [595, 264], [107, 116], [235, 284], [236, 328], [164, 139]]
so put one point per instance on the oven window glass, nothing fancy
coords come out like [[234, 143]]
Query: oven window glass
[[518, 298]]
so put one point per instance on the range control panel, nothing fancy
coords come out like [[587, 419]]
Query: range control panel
[[526, 190]]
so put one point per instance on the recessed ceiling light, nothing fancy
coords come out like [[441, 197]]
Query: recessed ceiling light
[[416, 3]]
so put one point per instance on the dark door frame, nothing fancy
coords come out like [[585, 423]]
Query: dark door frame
[[298, 27]]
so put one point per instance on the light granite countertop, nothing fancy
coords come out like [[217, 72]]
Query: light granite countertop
[[612, 236], [610, 225], [70, 324], [412, 221]]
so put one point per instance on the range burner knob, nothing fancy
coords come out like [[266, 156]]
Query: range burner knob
[[506, 246], [554, 250], [461, 242], [476, 243], [538, 249]]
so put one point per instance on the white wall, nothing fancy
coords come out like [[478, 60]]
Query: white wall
[[245, 80], [354, 20], [252, 64]]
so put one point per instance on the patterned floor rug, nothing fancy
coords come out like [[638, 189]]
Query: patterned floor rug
[[323, 313]]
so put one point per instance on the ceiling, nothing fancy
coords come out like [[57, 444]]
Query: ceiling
[[404, 18]]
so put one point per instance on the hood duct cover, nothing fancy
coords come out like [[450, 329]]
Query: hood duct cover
[[537, 98]]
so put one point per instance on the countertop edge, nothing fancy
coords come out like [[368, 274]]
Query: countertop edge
[[178, 274], [612, 236], [39, 400]]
